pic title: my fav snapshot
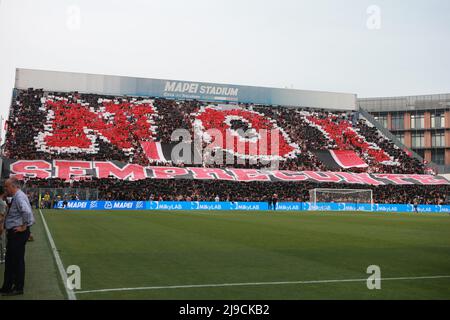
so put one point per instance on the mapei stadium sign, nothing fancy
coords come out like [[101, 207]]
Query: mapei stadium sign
[[180, 87], [175, 89], [79, 170]]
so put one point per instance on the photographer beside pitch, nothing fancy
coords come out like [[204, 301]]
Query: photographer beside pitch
[[17, 223]]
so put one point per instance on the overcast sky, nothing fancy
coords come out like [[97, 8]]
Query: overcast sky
[[371, 48]]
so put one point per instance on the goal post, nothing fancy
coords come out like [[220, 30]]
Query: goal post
[[357, 196]]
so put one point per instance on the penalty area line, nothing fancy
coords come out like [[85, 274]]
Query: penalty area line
[[259, 284]]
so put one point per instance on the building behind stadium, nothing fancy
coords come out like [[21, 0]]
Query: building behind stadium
[[421, 123]]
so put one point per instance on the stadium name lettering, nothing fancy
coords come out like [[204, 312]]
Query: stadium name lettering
[[82, 170], [196, 88]]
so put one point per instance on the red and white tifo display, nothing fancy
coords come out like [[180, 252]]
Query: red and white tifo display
[[75, 127], [262, 138], [139, 131], [81, 170], [343, 138]]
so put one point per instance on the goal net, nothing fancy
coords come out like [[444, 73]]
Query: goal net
[[318, 195]]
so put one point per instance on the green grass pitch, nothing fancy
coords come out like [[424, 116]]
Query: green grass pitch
[[135, 249]]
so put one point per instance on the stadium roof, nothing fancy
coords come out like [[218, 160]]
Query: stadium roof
[[175, 89]]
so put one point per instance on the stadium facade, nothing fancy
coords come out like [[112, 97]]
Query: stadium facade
[[383, 109], [175, 89], [421, 123], [87, 129]]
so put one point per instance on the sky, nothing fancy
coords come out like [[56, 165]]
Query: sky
[[370, 48]]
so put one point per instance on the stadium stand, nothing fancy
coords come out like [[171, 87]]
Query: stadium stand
[[54, 125], [47, 125]]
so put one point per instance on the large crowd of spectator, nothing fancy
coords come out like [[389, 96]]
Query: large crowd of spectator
[[309, 130], [29, 119]]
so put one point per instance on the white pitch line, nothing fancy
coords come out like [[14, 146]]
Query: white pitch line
[[258, 284], [62, 271]]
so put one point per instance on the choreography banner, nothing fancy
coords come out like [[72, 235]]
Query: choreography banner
[[80, 170], [337, 159]]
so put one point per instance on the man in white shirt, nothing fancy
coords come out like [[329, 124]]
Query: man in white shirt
[[18, 221]]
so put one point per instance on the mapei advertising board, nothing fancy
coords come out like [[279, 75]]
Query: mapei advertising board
[[245, 206]]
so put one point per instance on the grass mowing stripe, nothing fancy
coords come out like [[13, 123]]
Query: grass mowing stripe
[[70, 293], [261, 283]]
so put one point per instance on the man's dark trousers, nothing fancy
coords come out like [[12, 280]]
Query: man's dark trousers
[[15, 259]]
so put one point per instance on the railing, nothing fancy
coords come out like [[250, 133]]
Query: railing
[[387, 133]]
